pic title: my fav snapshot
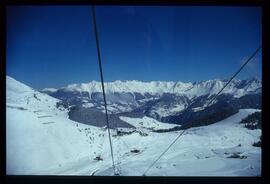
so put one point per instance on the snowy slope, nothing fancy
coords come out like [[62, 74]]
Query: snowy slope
[[200, 151], [38, 135], [42, 140], [147, 123]]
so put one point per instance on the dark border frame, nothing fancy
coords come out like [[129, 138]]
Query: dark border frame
[[125, 179]]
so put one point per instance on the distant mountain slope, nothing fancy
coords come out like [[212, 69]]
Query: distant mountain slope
[[171, 102], [236, 87]]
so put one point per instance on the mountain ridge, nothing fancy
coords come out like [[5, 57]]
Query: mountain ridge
[[160, 87], [170, 102]]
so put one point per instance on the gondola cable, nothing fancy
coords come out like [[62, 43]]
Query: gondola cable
[[102, 84]]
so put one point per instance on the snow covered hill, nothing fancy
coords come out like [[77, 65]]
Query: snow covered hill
[[38, 135], [202, 151], [41, 140]]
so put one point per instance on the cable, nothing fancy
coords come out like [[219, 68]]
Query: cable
[[163, 152], [102, 83], [248, 60]]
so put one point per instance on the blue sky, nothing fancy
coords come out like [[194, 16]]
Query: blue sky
[[52, 46]]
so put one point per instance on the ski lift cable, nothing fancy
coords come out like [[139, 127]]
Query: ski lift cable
[[102, 83], [235, 74], [238, 71], [118, 148]]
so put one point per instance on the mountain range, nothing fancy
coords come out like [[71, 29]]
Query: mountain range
[[165, 101]]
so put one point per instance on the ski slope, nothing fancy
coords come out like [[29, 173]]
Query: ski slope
[[201, 151], [38, 134], [41, 140]]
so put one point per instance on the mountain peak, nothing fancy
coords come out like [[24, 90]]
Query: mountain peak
[[160, 87], [14, 85]]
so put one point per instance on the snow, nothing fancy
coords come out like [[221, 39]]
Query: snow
[[36, 132], [51, 90], [87, 105], [209, 87], [41, 140], [147, 123], [193, 155], [162, 111], [196, 109], [153, 87], [35, 143]]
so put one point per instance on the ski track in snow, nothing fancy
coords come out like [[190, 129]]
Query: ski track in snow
[[41, 140]]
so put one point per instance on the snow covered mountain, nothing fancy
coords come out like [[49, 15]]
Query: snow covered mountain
[[42, 140], [210, 87], [170, 102]]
